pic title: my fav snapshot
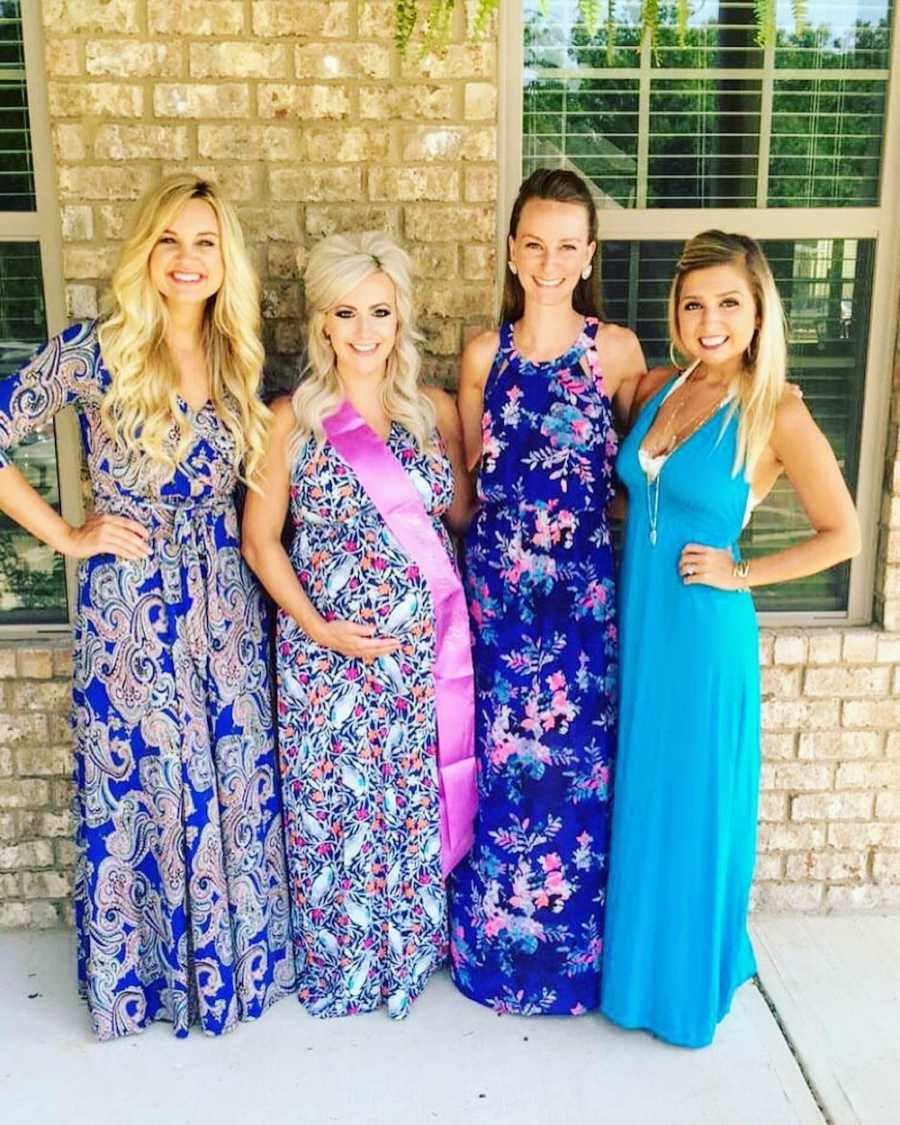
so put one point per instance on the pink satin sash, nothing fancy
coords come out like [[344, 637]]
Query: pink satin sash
[[400, 506]]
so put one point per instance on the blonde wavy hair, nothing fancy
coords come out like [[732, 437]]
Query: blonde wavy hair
[[762, 381], [336, 266], [141, 405]]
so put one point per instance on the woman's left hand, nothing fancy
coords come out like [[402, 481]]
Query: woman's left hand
[[708, 566]]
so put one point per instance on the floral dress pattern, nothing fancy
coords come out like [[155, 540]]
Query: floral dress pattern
[[526, 907], [358, 745], [180, 893]]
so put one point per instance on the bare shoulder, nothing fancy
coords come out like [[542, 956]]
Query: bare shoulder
[[793, 422], [478, 355], [616, 341], [283, 419], [655, 378], [447, 415]]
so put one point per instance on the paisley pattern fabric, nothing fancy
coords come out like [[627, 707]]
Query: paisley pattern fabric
[[358, 745], [180, 895], [526, 908]]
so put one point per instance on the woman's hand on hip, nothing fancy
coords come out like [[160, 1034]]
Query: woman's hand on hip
[[353, 640], [107, 535], [708, 566]]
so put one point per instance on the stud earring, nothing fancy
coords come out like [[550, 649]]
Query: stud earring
[[586, 272], [512, 268]]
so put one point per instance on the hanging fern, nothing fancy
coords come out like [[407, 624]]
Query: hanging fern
[[405, 13], [801, 22], [682, 12], [437, 24], [545, 9], [590, 15], [650, 20], [610, 32], [765, 22], [486, 9]]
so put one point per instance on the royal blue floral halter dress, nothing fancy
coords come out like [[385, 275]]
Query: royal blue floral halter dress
[[526, 907]]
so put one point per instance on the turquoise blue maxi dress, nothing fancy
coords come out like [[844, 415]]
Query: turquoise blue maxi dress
[[684, 819]]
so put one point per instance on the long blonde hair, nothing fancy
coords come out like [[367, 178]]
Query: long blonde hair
[[141, 405], [336, 266], [761, 383]]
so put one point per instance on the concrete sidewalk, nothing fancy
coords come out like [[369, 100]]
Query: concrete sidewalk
[[455, 1062]]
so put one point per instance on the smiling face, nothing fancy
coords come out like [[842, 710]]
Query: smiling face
[[717, 316], [186, 263], [550, 249], [362, 327]]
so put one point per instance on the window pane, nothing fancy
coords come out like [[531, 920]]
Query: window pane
[[32, 576], [825, 285], [16, 171]]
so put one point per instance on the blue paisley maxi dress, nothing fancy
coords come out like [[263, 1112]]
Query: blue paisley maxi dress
[[180, 891], [526, 907], [358, 744]]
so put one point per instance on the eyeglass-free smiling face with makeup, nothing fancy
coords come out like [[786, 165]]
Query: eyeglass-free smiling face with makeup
[[551, 248], [717, 318], [362, 327], [186, 263]]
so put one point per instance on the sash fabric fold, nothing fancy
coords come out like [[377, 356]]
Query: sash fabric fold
[[400, 506]]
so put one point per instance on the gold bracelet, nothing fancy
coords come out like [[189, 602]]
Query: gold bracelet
[[741, 570]]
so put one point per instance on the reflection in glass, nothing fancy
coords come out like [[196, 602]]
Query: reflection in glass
[[32, 576]]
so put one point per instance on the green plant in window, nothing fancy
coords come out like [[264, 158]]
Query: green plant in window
[[765, 12]]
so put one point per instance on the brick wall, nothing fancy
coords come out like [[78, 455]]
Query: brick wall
[[305, 115]]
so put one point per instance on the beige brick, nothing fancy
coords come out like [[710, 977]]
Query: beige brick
[[824, 647], [239, 182], [888, 650], [376, 19], [81, 301], [289, 338], [773, 806], [65, 852], [408, 103], [13, 915], [62, 57], [790, 648], [34, 663], [892, 746], [856, 682], [827, 866], [62, 793], [69, 143], [840, 744], [458, 60], [867, 775], [326, 19], [886, 867], [439, 223], [281, 100], [790, 837], [766, 648], [342, 60], [47, 761], [860, 646], [792, 897], [767, 776], [45, 884], [28, 695], [408, 184], [315, 184], [89, 260], [803, 776], [34, 853], [890, 613], [28, 915], [846, 834], [223, 99], [880, 714], [281, 259], [788, 714], [768, 867], [454, 299], [95, 99], [866, 897], [121, 58], [447, 143], [23, 793], [890, 586], [779, 746], [480, 101], [322, 221], [62, 662], [887, 806], [238, 60], [434, 259], [89, 182], [249, 142], [441, 336], [480, 185], [831, 806], [278, 224], [142, 142], [479, 263], [8, 664], [781, 682], [62, 17], [281, 299], [343, 144], [203, 17], [9, 831], [10, 886], [18, 728], [115, 219], [77, 222]]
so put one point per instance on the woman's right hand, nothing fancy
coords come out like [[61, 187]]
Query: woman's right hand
[[107, 535], [353, 640]]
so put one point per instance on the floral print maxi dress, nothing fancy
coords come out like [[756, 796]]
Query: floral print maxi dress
[[180, 892], [526, 907], [358, 745]]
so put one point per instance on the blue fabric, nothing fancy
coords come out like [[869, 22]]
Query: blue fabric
[[526, 907], [687, 773]]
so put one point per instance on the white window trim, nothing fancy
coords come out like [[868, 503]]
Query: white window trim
[[43, 227], [880, 223]]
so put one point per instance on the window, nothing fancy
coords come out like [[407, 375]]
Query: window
[[33, 579], [787, 142]]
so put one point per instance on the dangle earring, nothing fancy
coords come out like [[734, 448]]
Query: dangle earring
[[512, 268], [586, 272]]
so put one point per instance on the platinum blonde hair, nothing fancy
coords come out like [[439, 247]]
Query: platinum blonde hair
[[762, 381], [141, 406], [336, 266]]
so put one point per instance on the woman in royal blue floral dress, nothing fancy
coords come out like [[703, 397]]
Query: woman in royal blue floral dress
[[181, 908], [536, 401], [375, 695]]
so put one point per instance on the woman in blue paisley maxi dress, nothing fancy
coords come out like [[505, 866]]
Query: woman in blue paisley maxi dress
[[357, 715], [180, 890], [527, 906]]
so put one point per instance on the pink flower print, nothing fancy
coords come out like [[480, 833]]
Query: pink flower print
[[551, 862]]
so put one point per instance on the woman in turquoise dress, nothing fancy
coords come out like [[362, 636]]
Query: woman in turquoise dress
[[536, 398], [708, 443]]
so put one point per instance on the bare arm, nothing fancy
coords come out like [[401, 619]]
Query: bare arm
[[449, 426], [805, 455], [623, 366], [475, 367], [261, 546]]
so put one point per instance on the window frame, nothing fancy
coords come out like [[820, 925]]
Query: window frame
[[881, 223], [43, 227]]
